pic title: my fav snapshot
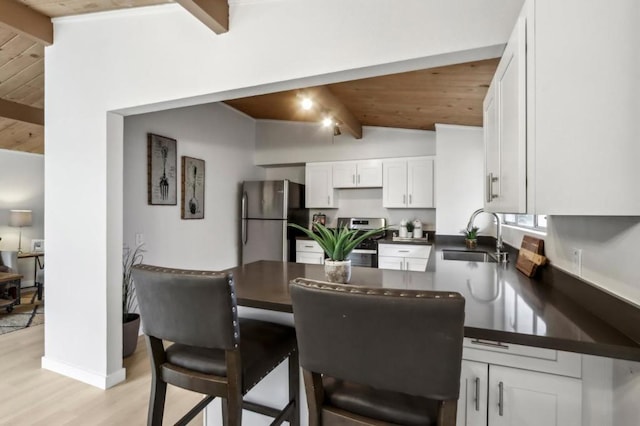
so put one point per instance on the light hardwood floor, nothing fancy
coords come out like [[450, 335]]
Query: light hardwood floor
[[32, 396]]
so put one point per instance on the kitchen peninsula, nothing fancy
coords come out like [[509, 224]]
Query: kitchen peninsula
[[528, 342], [501, 304]]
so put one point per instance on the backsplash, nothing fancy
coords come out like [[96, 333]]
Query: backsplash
[[367, 202]]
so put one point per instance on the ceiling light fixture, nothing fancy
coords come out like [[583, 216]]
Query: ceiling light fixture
[[306, 104], [327, 122], [336, 130]]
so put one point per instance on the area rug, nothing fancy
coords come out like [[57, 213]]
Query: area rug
[[28, 313]]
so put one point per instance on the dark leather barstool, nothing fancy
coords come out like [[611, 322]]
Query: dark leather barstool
[[378, 356], [213, 352]]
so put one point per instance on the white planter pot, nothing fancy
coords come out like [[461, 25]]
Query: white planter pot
[[337, 271]]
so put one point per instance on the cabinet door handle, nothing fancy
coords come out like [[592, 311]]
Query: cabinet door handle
[[410, 199], [501, 398], [489, 343], [490, 180], [477, 399], [328, 199], [358, 178], [309, 246], [403, 251], [404, 199], [353, 178]]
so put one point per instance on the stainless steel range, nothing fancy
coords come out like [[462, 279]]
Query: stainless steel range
[[365, 253]]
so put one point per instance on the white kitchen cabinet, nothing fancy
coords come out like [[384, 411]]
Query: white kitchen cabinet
[[403, 257], [578, 142], [529, 398], [309, 251], [408, 183], [474, 385], [319, 191], [505, 384], [357, 174], [505, 126]]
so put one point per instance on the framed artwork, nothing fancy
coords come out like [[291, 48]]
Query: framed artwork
[[192, 188], [162, 178], [37, 246]]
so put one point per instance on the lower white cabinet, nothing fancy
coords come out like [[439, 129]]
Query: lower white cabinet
[[500, 395], [309, 251], [403, 257]]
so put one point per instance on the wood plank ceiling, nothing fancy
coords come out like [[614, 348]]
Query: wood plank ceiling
[[414, 100]]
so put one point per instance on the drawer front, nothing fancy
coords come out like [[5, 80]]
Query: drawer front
[[308, 246], [526, 357], [309, 257], [404, 250]]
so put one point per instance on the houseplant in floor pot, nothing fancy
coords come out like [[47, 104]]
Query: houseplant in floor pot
[[130, 319], [337, 245], [471, 237]]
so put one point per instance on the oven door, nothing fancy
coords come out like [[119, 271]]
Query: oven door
[[364, 257]]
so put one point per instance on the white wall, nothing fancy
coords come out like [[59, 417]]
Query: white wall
[[460, 179], [286, 142], [162, 56], [221, 137], [21, 187]]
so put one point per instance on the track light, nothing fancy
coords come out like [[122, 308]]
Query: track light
[[336, 130], [306, 103], [327, 122]]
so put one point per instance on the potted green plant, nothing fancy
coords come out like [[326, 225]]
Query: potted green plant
[[337, 245], [130, 319], [410, 229], [471, 237]]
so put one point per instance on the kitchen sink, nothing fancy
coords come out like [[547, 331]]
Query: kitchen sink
[[468, 256]]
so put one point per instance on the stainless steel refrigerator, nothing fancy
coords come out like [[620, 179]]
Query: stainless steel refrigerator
[[268, 206]]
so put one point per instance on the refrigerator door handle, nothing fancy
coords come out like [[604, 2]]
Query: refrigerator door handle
[[244, 217]]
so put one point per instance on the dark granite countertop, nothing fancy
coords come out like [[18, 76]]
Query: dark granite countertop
[[502, 304]]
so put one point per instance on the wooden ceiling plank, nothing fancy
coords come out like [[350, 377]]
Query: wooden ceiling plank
[[20, 112], [213, 13], [6, 34], [56, 8], [31, 76], [14, 48], [31, 96], [27, 21], [327, 100], [23, 60]]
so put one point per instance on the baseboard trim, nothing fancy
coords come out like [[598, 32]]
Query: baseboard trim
[[93, 379]]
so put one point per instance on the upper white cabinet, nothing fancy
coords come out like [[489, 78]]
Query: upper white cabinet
[[505, 129], [561, 128], [319, 192], [408, 183], [357, 174]]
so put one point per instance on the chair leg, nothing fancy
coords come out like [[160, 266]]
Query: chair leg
[[448, 412], [294, 388], [158, 386], [156, 402], [232, 406]]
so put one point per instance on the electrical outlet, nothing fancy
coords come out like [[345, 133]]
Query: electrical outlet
[[577, 261], [139, 239]]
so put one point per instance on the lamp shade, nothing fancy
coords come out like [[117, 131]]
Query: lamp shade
[[20, 218]]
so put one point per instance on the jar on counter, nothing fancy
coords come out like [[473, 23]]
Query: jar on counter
[[403, 229], [417, 229]]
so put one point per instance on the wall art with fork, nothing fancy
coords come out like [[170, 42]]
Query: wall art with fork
[[192, 196], [161, 170]]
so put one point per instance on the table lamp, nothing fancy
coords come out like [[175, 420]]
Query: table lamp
[[20, 218]]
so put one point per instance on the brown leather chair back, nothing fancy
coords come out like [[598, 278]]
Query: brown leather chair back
[[195, 308], [397, 340]]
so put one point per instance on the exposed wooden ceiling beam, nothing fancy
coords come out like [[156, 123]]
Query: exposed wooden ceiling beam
[[213, 13], [322, 96], [26, 21], [21, 112]]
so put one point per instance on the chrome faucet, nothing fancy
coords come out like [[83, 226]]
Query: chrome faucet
[[500, 253]]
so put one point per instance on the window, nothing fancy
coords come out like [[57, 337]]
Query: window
[[525, 220]]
